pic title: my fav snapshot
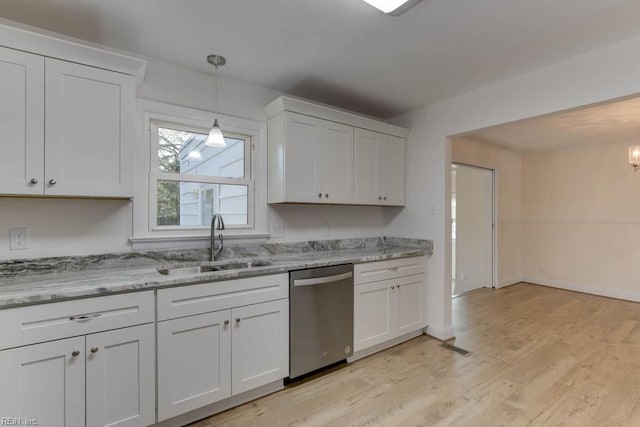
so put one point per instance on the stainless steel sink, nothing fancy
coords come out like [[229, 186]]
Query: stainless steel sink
[[198, 269], [171, 271], [239, 265]]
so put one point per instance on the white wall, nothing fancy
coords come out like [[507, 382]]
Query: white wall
[[60, 227], [508, 175], [581, 210], [65, 226], [604, 74]]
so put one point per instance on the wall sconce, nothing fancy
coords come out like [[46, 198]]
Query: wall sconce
[[634, 157]]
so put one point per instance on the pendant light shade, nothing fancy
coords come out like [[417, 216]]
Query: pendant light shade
[[393, 7], [215, 138]]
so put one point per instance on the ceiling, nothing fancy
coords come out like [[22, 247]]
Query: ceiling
[[613, 122], [345, 52]]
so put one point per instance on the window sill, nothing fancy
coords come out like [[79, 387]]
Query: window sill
[[191, 242]]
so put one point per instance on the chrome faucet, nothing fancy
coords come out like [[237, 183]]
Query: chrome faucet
[[213, 253]]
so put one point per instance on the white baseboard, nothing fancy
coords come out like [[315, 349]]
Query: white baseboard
[[223, 405], [506, 283], [609, 293], [376, 348], [441, 334]]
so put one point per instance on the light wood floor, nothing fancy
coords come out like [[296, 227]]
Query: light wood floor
[[541, 356]]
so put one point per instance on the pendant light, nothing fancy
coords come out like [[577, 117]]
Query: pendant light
[[393, 7], [215, 138]]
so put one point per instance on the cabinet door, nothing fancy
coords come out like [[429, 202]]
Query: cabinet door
[[21, 122], [365, 176], [302, 158], [120, 377], [391, 159], [260, 344], [194, 362], [372, 314], [88, 131], [45, 383], [409, 294], [337, 162]]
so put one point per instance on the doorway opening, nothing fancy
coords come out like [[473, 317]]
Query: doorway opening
[[472, 228]]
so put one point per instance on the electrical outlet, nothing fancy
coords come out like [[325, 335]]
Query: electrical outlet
[[18, 239]]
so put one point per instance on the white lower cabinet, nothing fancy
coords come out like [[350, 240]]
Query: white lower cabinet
[[120, 376], [108, 376], [259, 345], [389, 308], [209, 357], [45, 383], [194, 362], [103, 375]]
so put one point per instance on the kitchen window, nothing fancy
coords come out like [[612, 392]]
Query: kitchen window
[[190, 182]]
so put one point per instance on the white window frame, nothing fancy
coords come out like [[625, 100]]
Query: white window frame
[[143, 237], [155, 174]]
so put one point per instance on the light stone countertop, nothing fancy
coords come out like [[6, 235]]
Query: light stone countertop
[[25, 282]]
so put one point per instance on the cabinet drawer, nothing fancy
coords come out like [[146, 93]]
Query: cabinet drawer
[[46, 322], [207, 297], [383, 270]]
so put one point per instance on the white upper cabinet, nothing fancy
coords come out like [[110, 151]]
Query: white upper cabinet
[[379, 168], [390, 169], [302, 153], [89, 131], [336, 162], [67, 129], [322, 155], [21, 122], [316, 160]]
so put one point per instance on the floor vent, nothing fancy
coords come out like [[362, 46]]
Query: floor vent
[[462, 351]]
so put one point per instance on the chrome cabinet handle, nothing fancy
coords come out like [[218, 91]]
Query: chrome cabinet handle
[[52, 182], [226, 322], [84, 317], [320, 195], [379, 197], [238, 320], [393, 268], [94, 349], [34, 180], [384, 198], [326, 196], [75, 353]]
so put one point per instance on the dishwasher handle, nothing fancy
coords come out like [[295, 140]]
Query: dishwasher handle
[[322, 280]]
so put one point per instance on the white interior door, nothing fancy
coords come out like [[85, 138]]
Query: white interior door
[[474, 228]]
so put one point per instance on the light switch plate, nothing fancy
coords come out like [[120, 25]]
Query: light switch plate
[[18, 239]]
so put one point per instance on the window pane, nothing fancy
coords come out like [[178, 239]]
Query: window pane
[[186, 153], [194, 203]]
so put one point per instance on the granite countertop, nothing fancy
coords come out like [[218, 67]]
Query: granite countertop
[[24, 282]]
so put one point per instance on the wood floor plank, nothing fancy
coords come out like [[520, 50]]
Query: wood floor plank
[[541, 356]]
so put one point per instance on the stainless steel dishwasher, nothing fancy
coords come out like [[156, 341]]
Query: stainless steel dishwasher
[[321, 317]]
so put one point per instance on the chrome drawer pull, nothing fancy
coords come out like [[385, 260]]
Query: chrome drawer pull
[[393, 268], [84, 317]]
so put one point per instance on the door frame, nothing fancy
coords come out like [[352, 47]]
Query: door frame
[[494, 221]]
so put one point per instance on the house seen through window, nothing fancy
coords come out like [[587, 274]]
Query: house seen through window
[[191, 181]]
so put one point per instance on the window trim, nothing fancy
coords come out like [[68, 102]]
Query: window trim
[[142, 237], [155, 175]]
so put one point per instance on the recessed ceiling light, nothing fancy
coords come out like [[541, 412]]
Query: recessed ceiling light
[[393, 7]]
